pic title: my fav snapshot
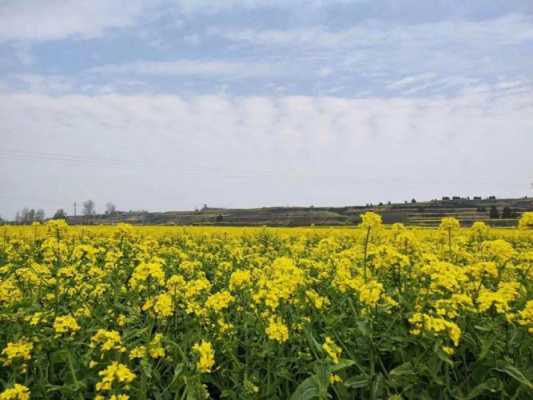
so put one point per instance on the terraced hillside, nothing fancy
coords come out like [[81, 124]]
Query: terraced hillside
[[420, 214]]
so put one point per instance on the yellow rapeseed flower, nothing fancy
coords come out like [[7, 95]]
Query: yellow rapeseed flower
[[332, 350], [115, 372], [219, 301], [206, 356], [155, 347], [277, 330], [66, 324], [20, 350], [107, 341], [17, 392]]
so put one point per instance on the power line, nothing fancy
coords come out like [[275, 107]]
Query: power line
[[25, 155], [36, 155]]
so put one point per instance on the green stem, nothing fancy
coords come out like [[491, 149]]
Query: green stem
[[366, 253], [74, 378]]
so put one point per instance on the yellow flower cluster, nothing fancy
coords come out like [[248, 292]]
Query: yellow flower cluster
[[427, 323], [206, 355], [277, 330], [107, 341], [66, 324], [128, 302], [239, 278], [501, 298], [115, 372], [17, 351], [332, 350], [219, 301], [144, 272], [526, 221], [162, 305], [155, 347], [17, 392], [526, 316]]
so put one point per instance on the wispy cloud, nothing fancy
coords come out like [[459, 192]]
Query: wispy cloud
[[449, 54], [59, 19], [49, 84], [198, 68], [505, 30], [214, 6], [38, 20], [411, 80], [214, 145]]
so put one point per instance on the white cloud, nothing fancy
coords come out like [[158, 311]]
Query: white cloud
[[214, 6], [440, 57], [506, 30], [41, 20], [44, 84], [58, 19], [252, 151], [411, 80], [197, 68]]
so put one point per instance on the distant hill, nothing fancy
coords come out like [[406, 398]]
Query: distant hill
[[427, 213]]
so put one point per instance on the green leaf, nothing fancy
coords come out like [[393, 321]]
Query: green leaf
[[178, 370], [516, 374], [486, 345], [306, 390], [363, 327], [342, 364], [490, 385], [403, 369], [194, 389], [322, 379], [357, 382], [442, 355], [146, 368], [484, 328], [313, 343], [377, 387]]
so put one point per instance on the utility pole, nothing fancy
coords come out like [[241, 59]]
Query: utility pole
[[74, 208]]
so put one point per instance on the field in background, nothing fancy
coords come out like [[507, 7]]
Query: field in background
[[415, 214], [372, 312]]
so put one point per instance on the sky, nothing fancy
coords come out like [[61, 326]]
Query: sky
[[172, 104]]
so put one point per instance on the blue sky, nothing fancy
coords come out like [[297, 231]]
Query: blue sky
[[170, 104]]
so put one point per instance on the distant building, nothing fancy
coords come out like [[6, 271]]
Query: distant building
[[477, 197]]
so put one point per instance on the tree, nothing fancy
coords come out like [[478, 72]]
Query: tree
[[507, 212], [39, 215], [88, 208], [494, 213], [60, 214], [110, 208], [25, 216], [31, 216], [413, 200]]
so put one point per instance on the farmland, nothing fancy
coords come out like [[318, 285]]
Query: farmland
[[377, 312], [423, 214]]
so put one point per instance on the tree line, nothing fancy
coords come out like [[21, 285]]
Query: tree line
[[29, 215], [88, 209]]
